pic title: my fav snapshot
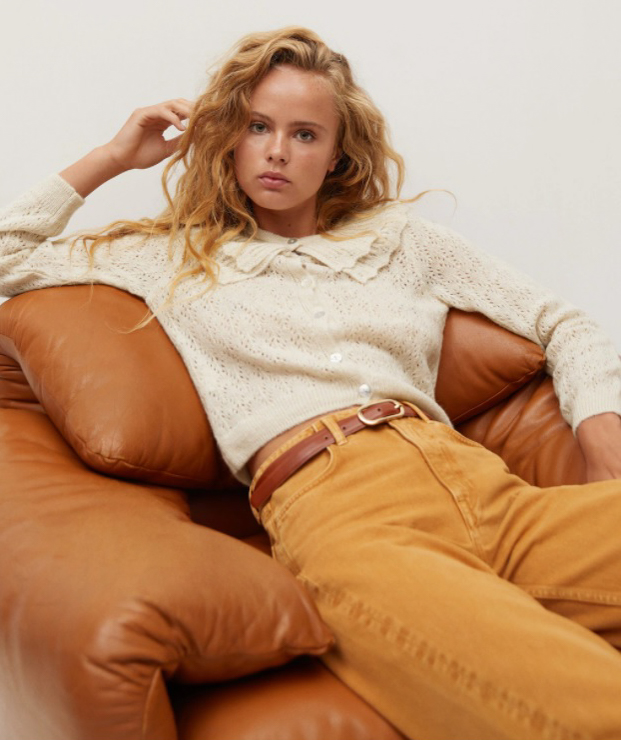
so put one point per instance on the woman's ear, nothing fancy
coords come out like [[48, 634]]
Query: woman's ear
[[334, 161]]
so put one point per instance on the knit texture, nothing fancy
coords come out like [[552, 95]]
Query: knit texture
[[298, 328]]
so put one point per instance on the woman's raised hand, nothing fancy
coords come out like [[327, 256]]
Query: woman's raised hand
[[140, 143]]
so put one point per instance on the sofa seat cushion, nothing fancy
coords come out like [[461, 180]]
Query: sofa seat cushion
[[301, 701]]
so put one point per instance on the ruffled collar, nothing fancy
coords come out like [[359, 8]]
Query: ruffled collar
[[367, 249]]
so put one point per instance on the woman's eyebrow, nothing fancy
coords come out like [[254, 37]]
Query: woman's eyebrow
[[293, 123]]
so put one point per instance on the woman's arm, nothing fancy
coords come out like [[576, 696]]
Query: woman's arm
[[91, 171], [139, 144], [583, 362], [600, 441], [30, 259]]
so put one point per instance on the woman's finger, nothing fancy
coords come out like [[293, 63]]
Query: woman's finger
[[183, 108], [155, 115], [180, 108]]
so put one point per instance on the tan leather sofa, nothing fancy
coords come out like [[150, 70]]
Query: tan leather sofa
[[137, 598]]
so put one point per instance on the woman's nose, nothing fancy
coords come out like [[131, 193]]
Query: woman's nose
[[277, 150]]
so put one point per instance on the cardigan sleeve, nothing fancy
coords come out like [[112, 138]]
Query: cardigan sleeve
[[30, 259], [581, 359]]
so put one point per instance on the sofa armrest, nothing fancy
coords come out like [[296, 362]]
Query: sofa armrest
[[108, 589], [482, 364]]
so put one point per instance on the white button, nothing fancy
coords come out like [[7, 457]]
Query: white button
[[319, 313], [364, 390], [308, 282], [336, 357], [291, 241]]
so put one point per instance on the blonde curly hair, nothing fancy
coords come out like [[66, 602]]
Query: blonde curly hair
[[208, 205]]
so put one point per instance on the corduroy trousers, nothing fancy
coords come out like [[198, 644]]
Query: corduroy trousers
[[466, 603]]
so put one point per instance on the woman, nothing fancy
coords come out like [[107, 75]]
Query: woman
[[308, 306]]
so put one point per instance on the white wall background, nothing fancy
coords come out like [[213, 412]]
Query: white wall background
[[514, 106]]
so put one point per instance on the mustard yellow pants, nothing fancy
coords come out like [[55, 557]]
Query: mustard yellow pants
[[466, 604]]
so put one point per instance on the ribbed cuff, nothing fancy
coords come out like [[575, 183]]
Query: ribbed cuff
[[57, 196], [601, 402]]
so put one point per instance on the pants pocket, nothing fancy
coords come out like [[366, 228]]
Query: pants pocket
[[287, 497]]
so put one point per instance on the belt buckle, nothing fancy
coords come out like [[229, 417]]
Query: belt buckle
[[399, 412]]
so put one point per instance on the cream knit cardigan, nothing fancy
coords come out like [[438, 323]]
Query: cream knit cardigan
[[299, 327]]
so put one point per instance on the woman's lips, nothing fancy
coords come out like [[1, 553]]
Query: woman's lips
[[273, 181]]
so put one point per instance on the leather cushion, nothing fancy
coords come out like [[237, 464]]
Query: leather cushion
[[124, 402], [529, 433], [302, 701], [482, 364], [127, 585]]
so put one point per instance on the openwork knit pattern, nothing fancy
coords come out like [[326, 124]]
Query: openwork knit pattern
[[296, 328]]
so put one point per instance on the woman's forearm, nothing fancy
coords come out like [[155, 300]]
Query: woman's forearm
[[88, 173]]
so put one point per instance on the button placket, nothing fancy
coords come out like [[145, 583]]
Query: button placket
[[319, 313], [308, 283]]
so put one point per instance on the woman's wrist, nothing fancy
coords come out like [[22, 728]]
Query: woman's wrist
[[92, 170], [600, 441]]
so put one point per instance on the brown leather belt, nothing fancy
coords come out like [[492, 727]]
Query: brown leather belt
[[369, 415]]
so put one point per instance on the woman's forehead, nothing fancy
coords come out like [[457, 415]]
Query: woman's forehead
[[294, 93]]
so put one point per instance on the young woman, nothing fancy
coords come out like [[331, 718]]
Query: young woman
[[308, 305]]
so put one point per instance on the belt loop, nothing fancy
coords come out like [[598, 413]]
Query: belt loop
[[422, 414], [298, 450], [333, 426]]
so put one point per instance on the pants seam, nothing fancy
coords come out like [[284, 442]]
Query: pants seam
[[569, 594], [466, 512], [467, 681]]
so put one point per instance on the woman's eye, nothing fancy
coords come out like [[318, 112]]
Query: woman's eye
[[257, 127], [306, 135]]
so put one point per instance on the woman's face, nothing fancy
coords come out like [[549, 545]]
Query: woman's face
[[288, 149]]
